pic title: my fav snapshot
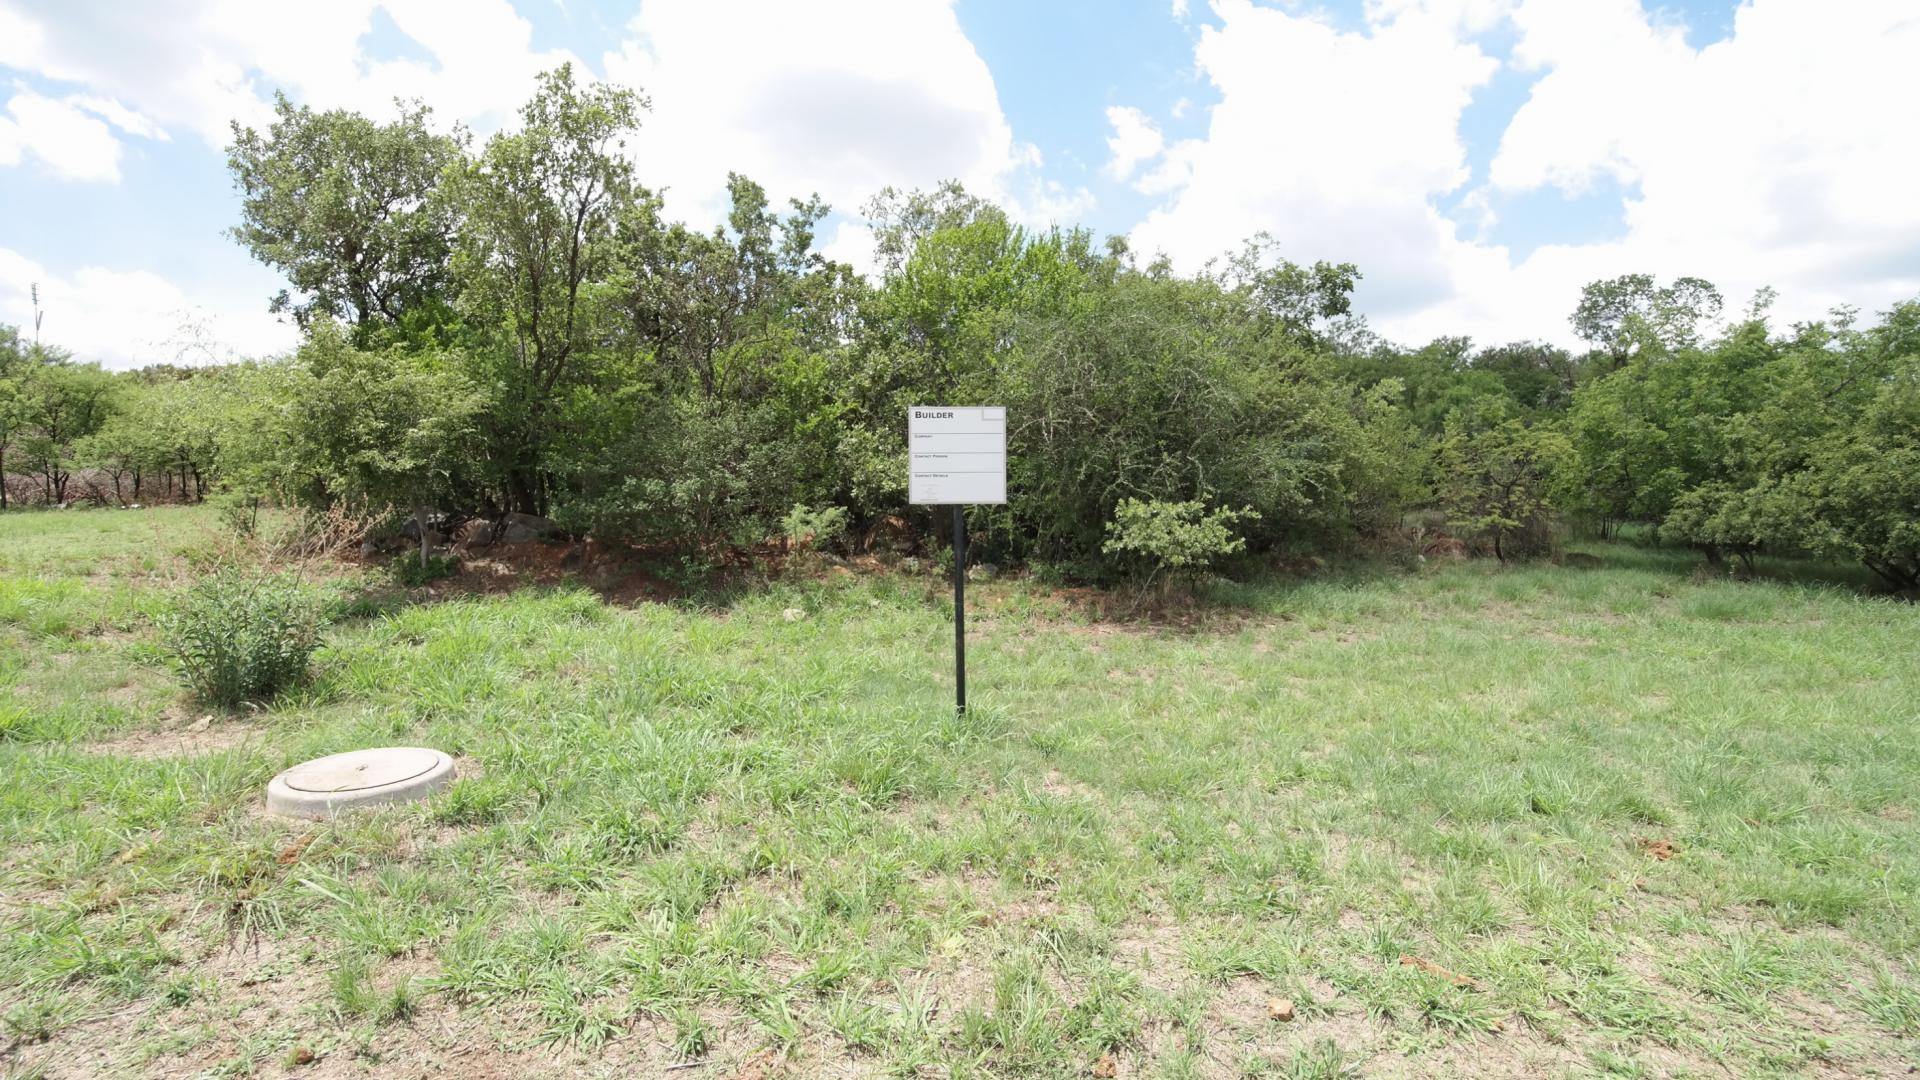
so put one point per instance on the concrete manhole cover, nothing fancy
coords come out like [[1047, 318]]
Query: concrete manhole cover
[[324, 786]]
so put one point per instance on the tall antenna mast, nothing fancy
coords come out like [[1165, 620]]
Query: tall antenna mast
[[37, 313]]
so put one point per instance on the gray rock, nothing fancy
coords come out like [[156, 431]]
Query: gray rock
[[526, 528], [477, 533]]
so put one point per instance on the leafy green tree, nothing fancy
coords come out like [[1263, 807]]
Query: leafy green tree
[[349, 209], [384, 427], [13, 363], [1627, 315], [122, 449], [694, 298], [540, 206], [1298, 301], [1537, 376], [1496, 477], [61, 406], [1860, 495]]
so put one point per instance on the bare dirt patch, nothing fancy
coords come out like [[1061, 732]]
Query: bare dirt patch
[[187, 737]]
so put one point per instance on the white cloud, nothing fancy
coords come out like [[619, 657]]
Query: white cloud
[[1334, 141], [841, 99], [1135, 139], [62, 136], [1781, 155], [1778, 156], [128, 318], [199, 65]]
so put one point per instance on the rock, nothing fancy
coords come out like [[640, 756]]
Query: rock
[[368, 549], [982, 571], [526, 528], [1279, 1009], [793, 614], [477, 533]]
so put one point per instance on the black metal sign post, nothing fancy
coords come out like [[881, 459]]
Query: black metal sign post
[[960, 611], [957, 457]]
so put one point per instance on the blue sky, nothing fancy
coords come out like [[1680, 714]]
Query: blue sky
[[1479, 159]]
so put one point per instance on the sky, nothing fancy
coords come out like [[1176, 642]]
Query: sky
[[1479, 160]]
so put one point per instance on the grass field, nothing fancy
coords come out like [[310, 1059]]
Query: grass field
[[1465, 821]]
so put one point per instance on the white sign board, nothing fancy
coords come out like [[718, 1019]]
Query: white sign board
[[956, 455]]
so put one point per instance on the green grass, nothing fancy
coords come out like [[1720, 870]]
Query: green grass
[[714, 834]]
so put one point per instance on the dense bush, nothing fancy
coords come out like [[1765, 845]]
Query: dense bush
[[1172, 542], [242, 636]]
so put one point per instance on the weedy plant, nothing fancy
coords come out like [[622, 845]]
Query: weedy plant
[[242, 635], [411, 572], [1166, 545], [807, 531]]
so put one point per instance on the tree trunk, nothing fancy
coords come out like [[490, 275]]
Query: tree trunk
[[136, 483], [521, 491], [420, 519]]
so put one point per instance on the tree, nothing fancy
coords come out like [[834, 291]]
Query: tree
[[1296, 300], [1860, 495], [13, 362], [385, 427], [540, 206], [1537, 376], [1626, 315], [349, 209], [1495, 477], [694, 297], [61, 405]]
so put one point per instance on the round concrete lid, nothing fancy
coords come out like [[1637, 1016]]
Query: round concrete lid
[[324, 786], [362, 769]]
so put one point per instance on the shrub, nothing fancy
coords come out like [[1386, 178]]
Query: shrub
[[412, 573], [1495, 477], [242, 636], [1172, 541], [808, 530]]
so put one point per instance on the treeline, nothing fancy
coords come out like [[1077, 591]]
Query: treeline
[[515, 326]]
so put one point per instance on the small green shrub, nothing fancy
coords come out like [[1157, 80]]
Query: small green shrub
[[807, 529], [410, 572], [1172, 541], [242, 635]]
